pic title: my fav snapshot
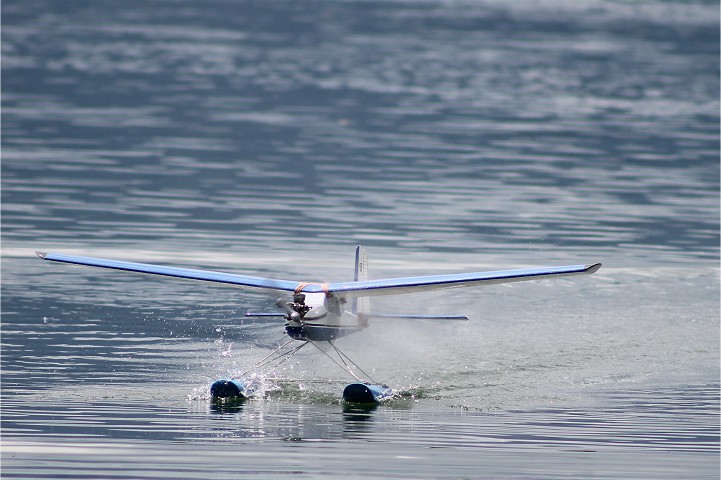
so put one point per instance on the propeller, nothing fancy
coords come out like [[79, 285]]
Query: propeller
[[292, 314]]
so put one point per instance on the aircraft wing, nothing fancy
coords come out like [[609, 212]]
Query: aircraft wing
[[367, 288], [193, 274], [395, 286]]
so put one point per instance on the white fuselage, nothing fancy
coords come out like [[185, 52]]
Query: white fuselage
[[325, 320]]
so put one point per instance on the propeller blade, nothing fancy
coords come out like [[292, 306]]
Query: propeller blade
[[292, 314]]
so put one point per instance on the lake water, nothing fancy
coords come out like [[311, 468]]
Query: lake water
[[270, 138]]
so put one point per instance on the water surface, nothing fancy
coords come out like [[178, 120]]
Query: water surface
[[270, 139]]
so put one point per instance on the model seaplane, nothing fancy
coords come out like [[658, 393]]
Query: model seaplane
[[319, 313]]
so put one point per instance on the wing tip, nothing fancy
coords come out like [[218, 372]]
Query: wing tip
[[593, 268], [41, 254]]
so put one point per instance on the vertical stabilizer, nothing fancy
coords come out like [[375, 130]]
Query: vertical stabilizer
[[361, 305]]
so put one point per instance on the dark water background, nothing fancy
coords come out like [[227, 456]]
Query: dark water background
[[272, 137]]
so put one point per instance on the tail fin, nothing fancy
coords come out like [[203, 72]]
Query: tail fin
[[361, 305]]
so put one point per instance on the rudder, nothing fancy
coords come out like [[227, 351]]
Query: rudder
[[361, 305]]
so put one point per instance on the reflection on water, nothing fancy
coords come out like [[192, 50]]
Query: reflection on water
[[269, 139], [641, 424], [645, 419]]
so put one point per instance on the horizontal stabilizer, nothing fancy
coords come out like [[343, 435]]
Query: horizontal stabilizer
[[417, 317]]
